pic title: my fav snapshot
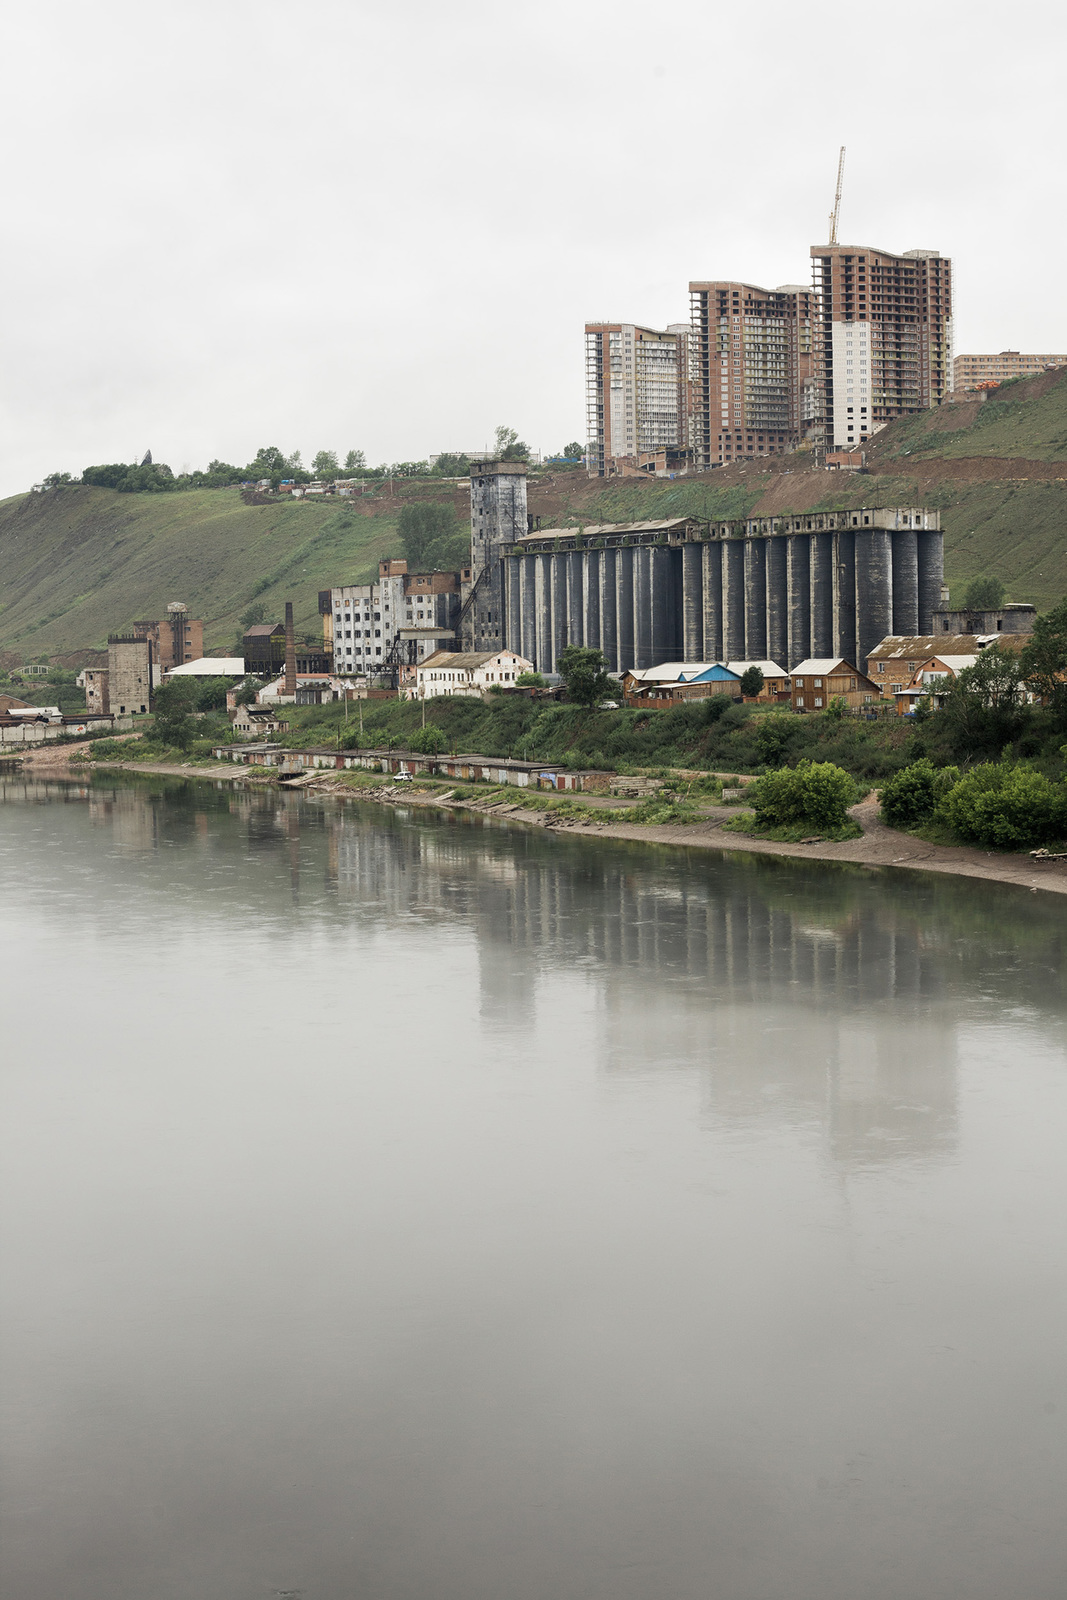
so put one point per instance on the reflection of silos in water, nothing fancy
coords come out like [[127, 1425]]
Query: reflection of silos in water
[[931, 573], [755, 600], [692, 603], [845, 595], [798, 572], [777, 600], [874, 591], [711, 587], [822, 595], [905, 582], [609, 637], [733, 598]]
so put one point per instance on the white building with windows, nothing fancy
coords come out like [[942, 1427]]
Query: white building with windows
[[468, 673], [406, 616]]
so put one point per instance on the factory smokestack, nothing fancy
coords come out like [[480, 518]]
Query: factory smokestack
[[290, 652]]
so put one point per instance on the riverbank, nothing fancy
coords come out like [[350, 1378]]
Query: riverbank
[[879, 845]]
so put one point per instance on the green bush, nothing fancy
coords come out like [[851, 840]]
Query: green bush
[[814, 793], [1006, 807], [109, 749], [428, 741], [912, 795]]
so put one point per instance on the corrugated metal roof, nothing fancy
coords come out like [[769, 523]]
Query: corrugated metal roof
[[770, 669]]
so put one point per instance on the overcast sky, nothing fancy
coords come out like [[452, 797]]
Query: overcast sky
[[382, 226]]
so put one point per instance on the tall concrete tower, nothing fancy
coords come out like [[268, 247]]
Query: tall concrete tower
[[498, 518]]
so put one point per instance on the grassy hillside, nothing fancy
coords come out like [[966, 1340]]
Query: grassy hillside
[[80, 563]]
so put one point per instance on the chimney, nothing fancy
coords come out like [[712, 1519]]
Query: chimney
[[290, 651]]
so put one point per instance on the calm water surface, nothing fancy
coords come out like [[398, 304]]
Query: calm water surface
[[409, 1208]]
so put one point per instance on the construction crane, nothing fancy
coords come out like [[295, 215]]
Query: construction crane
[[836, 212]]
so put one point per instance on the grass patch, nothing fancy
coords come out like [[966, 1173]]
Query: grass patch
[[792, 833]]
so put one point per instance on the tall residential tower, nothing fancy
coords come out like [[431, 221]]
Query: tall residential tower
[[751, 369], [636, 393], [884, 346]]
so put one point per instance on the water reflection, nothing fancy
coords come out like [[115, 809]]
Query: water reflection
[[402, 1204], [829, 995]]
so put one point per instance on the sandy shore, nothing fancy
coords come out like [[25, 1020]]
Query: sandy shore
[[879, 847]]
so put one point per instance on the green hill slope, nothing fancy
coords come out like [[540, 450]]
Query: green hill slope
[[80, 563]]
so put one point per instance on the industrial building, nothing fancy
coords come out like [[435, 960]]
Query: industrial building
[[828, 584], [752, 370], [884, 344], [636, 396], [376, 628]]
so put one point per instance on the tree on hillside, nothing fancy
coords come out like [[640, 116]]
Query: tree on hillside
[[509, 447], [268, 462], [751, 681], [1043, 662], [325, 464], [574, 451], [355, 461], [452, 466], [253, 614], [56, 480], [432, 537], [983, 594], [583, 673]]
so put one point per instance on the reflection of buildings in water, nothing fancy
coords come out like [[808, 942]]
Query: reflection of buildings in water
[[837, 1024], [133, 822]]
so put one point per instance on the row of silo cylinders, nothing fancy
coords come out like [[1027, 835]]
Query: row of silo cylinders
[[783, 598]]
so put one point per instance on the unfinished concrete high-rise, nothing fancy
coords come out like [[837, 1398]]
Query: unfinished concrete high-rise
[[498, 519], [884, 345], [636, 395], [751, 370]]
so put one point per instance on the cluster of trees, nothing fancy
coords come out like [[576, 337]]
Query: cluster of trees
[[432, 537], [274, 464]]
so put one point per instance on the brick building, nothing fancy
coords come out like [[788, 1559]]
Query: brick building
[[752, 371], [884, 344], [176, 639], [636, 395]]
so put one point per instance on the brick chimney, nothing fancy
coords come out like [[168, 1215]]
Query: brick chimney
[[290, 651]]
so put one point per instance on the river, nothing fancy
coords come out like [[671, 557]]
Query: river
[[405, 1206]]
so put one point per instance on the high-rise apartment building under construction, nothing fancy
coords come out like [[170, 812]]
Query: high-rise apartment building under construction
[[636, 393], [752, 370], [884, 345]]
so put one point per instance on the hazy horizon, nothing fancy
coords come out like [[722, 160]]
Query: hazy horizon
[[383, 227]]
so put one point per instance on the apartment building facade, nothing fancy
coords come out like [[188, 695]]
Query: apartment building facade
[[969, 371], [637, 393], [884, 341], [752, 370]]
